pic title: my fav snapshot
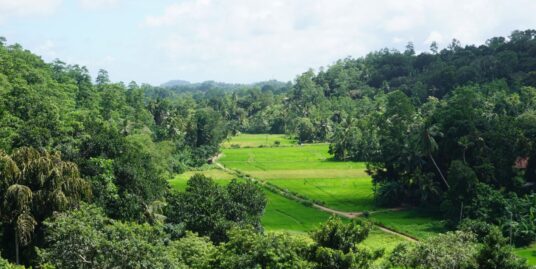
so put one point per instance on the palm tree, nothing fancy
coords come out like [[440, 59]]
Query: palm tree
[[465, 142], [426, 146], [34, 184], [342, 138], [16, 208]]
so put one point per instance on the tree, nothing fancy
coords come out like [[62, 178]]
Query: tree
[[34, 185], [496, 253], [247, 203], [410, 49], [338, 235], [248, 249], [86, 238], [427, 146], [193, 251], [336, 245], [344, 137], [211, 210], [434, 47], [464, 182], [305, 130], [444, 251], [102, 77]]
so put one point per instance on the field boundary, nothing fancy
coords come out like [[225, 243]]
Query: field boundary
[[287, 194]]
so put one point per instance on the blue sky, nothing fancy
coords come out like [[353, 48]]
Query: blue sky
[[243, 40]]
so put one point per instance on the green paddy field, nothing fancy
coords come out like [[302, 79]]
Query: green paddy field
[[310, 171]]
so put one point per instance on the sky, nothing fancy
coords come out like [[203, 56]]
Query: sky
[[244, 41]]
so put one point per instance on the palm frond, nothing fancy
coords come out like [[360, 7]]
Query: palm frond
[[18, 198], [24, 228], [9, 171]]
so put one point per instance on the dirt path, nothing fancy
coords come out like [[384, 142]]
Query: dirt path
[[389, 231], [350, 215]]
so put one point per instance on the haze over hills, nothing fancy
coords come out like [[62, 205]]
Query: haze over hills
[[176, 82], [186, 86]]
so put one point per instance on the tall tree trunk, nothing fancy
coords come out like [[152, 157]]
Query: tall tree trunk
[[17, 258], [439, 170], [461, 212]]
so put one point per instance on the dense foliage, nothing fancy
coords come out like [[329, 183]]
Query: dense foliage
[[64, 137], [458, 250], [451, 130], [211, 210], [83, 164], [86, 238]]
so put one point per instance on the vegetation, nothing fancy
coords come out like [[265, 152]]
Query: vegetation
[[34, 185], [179, 182], [413, 222], [88, 168], [528, 253], [258, 140], [307, 171], [211, 210]]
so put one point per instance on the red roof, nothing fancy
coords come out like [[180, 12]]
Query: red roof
[[521, 162]]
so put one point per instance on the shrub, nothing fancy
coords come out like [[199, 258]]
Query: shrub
[[306, 203], [235, 146], [445, 251]]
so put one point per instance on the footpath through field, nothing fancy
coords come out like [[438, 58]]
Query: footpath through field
[[250, 166]]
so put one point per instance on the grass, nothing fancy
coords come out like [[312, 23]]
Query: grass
[[378, 239], [308, 170], [346, 194], [302, 158], [220, 176], [257, 140], [414, 222], [528, 253], [283, 214]]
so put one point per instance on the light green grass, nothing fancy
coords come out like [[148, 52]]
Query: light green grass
[[378, 239], [346, 194], [309, 171], [304, 157], [413, 222], [283, 214], [528, 253], [256, 140], [319, 173], [220, 176]]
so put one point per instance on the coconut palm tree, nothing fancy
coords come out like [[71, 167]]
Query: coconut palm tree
[[427, 145], [34, 184]]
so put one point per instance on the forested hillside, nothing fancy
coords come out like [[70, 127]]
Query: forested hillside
[[84, 163]]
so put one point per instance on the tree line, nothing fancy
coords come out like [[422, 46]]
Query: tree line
[[83, 163]]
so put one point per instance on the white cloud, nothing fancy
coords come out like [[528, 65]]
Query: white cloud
[[16, 8], [99, 4], [434, 36], [246, 40], [400, 23], [47, 50]]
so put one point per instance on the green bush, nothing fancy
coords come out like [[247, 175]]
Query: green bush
[[235, 146]]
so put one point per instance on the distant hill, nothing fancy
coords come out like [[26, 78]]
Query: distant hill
[[173, 83], [186, 86]]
